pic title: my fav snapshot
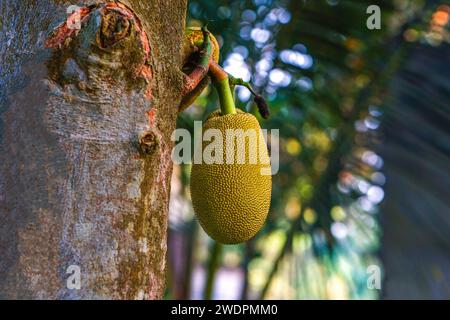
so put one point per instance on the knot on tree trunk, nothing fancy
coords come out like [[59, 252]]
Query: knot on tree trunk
[[148, 143]]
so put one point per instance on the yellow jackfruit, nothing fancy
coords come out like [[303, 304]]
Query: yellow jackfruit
[[231, 199]]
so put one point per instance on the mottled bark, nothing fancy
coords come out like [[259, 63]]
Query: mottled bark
[[75, 186]]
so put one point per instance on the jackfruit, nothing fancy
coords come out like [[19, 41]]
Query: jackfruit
[[193, 37], [231, 199]]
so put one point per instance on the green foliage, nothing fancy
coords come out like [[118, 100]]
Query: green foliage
[[324, 74]]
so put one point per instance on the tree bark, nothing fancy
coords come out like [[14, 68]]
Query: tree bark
[[76, 187]]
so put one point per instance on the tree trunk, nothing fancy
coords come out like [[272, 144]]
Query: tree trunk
[[78, 191]]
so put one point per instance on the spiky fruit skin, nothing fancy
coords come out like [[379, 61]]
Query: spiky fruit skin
[[232, 201], [193, 37]]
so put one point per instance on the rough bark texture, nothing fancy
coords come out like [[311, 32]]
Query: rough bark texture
[[75, 188]]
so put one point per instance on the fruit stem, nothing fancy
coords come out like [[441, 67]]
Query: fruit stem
[[239, 82], [222, 84], [263, 108], [206, 48], [201, 65]]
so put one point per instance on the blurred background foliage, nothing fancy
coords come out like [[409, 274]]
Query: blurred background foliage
[[326, 77]]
